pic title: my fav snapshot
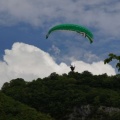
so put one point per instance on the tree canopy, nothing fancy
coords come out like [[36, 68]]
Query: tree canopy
[[60, 95]]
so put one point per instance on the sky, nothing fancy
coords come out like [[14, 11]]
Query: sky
[[26, 53]]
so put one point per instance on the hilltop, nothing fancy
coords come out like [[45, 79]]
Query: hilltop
[[72, 96]]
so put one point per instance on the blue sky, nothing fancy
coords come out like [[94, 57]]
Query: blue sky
[[24, 51]]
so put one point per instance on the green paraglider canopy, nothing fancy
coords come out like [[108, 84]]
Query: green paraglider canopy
[[72, 27]]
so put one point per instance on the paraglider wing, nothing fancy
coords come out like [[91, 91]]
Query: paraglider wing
[[72, 27]]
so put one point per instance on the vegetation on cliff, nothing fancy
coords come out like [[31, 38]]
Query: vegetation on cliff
[[63, 96]]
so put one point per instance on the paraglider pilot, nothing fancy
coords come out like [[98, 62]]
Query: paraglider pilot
[[72, 68]]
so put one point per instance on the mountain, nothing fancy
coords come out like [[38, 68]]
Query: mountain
[[72, 96]]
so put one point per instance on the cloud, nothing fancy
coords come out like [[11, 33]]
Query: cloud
[[96, 67], [103, 15], [55, 50], [29, 62]]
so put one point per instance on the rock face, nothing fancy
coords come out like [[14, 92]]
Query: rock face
[[89, 112]]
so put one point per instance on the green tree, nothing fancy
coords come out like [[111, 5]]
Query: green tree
[[111, 57], [14, 110]]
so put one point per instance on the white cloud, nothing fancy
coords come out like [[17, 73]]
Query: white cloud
[[55, 50], [29, 62], [101, 14], [96, 67]]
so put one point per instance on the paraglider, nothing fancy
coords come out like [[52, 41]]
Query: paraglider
[[72, 27]]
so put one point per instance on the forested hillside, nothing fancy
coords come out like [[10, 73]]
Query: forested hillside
[[72, 96], [14, 110]]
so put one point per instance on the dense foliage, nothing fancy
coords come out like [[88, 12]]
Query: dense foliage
[[14, 110], [60, 95]]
